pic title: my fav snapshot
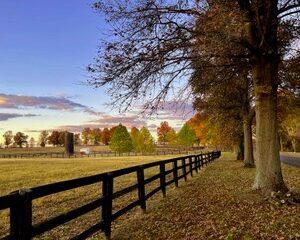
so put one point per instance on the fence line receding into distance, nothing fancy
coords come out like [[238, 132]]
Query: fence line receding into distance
[[19, 202]]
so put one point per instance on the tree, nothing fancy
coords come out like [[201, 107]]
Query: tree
[[186, 136], [134, 133], [43, 138], [20, 138], [112, 130], [8, 137], [171, 137], [162, 132], [53, 138], [229, 88], [121, 141], [145, 141], [225, 98], [153, 44], [198, 122], [62, 138], [31, 142], [86, 135], [77, 139], [292, 126], [105, 136], [95, 136]]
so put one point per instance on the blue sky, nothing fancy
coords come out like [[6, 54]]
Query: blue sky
[[44, 49]]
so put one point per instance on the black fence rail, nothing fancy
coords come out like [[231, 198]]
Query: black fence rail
[[170, 151], [19, 202]]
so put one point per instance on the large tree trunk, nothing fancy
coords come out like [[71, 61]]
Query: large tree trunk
[[247, 115], [240, 150], [248, 143], [268, 172], [261, 28], [294, 143], [281, 142]]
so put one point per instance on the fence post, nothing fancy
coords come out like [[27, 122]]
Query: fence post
[[202, 159], [196, 163], [184, 169], [191, 166], [162, 168], [107, 191], [199, 164], [141, 188], [21, 216], [175, 172]]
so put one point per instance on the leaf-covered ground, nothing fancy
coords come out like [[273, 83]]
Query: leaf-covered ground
[[217, 203]]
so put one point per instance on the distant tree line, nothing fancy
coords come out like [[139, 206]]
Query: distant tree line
[[19, 139], [202, 129], [117, 137]]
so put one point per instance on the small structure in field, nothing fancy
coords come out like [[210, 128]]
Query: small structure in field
[[85, 151]]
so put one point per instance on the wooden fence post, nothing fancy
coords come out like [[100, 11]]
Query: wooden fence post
[[107, 191], [162, 168], [21, 216], [200, 161], [184, 169], [196, 163], [175, 172], [191, 166], [141, 188]]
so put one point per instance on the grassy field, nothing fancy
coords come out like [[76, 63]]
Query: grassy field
[[26, 173], [218, 203], [49, 149]]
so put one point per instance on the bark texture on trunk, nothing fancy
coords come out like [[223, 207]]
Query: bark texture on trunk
[[248, 143], [247, 116], [268, 172], [240, 151], [260, 35]]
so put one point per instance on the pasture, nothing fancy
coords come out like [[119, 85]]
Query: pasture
[[26, 173], [48, 149], [217, 203]]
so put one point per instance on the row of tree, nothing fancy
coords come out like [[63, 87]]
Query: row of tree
[[140, 139], [238, 56], [19, 139]]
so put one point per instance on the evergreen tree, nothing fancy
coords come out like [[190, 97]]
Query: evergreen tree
[[134, 132], [186, 136], [144, 141], [121, 140], [171, 137]]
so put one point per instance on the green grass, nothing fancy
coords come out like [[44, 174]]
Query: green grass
[[48, 149], [217, 203], [25, 173]]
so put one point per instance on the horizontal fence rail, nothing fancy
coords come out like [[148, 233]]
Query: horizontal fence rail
[[158, 151], [19, 202]]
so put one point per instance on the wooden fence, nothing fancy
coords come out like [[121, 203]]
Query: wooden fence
[[171, 151], [19, 202]]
